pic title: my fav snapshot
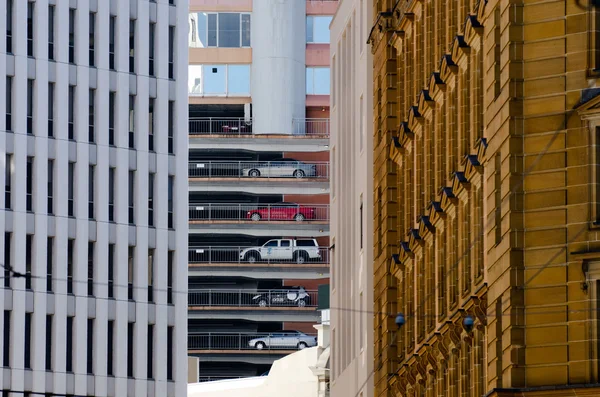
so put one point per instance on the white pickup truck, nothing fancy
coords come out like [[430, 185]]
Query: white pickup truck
[[299, 251]]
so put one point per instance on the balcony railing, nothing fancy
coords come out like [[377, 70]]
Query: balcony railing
[[240, 126], [211, 378], [231, 255], [249, 341], [258, 298], [259, 212], [220, 126], [259, 169], [318, 128]]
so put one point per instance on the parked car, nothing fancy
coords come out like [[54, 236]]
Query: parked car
[[280, 168], [292, 296], [281, 212], [299, 251], [284, 339]]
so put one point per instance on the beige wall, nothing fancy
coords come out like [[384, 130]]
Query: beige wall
[[351, 156]]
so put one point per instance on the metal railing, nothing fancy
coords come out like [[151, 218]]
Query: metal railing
[[213, 254], [311, 127], [259, 212], [220, 126], [248, 298], [258, 169], [211, 378], [249, 341]]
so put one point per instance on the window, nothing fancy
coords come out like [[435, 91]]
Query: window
[[497, 53], [131, 122], [90, 346], [361, 126], [150, 275], [6, 338], [130, 265], [130, 352], [151, 125], [131, 45], [50, 187], [91, 115], [71, 190], [151, 200], [498, 197], [111, 42], [71, 35], [48, 342], [170, 202], [69, 350], [170, 255], [151, 44], [90, 269], [219, 80], [171, 127], [131, 189], [50, 110], [111, 194], [27, 358], [150, 358], [91, 183], [317, 81], [30, 11], [111, 270], [361, 317], [71, 111], [110, 347], [70, 258], [317, 29], [360, 214], [51, 13], [92, 41], [228, 30], [169, 353], [9, 18], [7, 258], [8, 182], [9, 103], [29, 185], [49, 263], [28, 259], [111, 118], [171, 52], [30, 106]]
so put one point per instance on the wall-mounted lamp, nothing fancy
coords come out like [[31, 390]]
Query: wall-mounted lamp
[[400, 320], [468, 323]]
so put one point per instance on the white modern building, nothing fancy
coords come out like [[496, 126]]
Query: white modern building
[[351, 201], [93, 160]]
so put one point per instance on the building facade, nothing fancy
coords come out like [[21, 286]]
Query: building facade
[[352, 201], [485, 198], [94, 217], [258, 180]]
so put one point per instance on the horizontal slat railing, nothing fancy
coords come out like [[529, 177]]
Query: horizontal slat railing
[[259, 212], [318, 128], [258, 169], [220, 126], [214, 254], [241, 341], [211, 378], [258, 298]]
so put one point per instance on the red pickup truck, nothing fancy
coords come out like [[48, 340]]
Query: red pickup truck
[[282, 212]]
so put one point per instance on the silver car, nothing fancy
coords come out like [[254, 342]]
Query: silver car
[[280, 168], [283, 340]]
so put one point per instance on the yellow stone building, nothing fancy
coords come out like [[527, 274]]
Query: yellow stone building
[[486, 197]]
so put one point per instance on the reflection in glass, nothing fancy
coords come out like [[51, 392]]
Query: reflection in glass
[[228, 30], [219, 80], [195, 79], [317, 81], [245, 30], [214, 79], [317, 29]]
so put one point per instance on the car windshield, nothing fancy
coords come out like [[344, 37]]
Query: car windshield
[[272, 243]]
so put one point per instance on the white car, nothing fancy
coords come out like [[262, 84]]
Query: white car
[[280, 168], [284, 340], [299, 251]]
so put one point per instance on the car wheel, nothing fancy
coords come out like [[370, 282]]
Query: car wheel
[[260, 345], [301, 303], [262, 303], [302, 345], [300, 257], [254, 173], [299, 174], [255, 217], [299, 217], [252, 258]]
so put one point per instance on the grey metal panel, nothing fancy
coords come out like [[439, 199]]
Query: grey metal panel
[[72, 232], [133, 160], [151, 314], [52, 2], [70, 305], [93, 157], [92, 231], [110, 383], [133, 14], [8, 221], [172, 16], [111, 309], [30, 226], [93, 8], [91, 385], [29, 302], [10, 65], [172, 165], [50, 304], [112, 157], [52, 72], [170, 385], [150, 389], [131, 312], [10, 142], [113, 11], [152, 12], [172, 240], [132, 235], [152, 87], [72, 151], [72, 74], [113, 79], [151, 162], [30, 145], [49, 381], [70, 379], [93, 78], [8, 299], [151, 237], [31, 68], [72, 3], [112, 233], [28, 380], [91, 307], [51, 222], [6, 378], [172, 90], [171, 315], [132, 84], [52, 149]]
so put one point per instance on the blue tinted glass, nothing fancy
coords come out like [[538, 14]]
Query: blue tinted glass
[[309, 29], [238, 80], [202, 29], [309, 81], [214, 79], [321, 81], [321, 29]]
